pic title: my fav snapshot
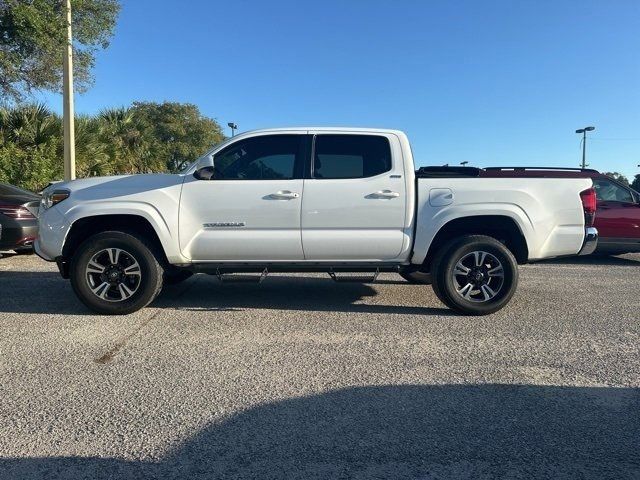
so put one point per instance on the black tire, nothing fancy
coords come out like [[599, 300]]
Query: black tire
[[24, 251], [417, 277], [144, 290], [478, 296], [174, 277]]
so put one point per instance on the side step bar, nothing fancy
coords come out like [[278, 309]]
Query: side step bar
[[224, 268], [340, 277], [354, 278], [238, 278]]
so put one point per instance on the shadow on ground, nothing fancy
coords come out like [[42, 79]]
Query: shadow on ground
[[37, 292], [46, 293], [295, 293], [397, 432]]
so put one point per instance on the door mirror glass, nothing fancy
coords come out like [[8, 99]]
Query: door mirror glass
[[204, 173]]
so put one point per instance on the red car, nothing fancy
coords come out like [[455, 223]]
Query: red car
[[618, 205]]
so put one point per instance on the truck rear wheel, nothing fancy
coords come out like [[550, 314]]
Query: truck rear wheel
[[475, 275], [115, 273]]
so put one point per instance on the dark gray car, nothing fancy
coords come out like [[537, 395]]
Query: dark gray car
[[18, 222]]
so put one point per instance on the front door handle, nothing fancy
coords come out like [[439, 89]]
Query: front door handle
[[384, 194], [284, 195]]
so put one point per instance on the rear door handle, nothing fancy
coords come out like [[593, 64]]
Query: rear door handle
[[384, 194], [284, 195]]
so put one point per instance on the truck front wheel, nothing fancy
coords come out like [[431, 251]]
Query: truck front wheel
[[475, 275], [115, 273]]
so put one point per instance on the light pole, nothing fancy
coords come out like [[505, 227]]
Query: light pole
[[67, 101], [584, 131], [464, 164], [233, 128]]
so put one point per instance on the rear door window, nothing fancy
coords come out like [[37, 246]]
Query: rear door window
[[350, 156]]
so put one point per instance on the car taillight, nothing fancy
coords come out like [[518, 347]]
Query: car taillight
[[16, 211], [589, 205]]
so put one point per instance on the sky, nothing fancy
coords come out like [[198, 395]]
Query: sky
[[491, 82]]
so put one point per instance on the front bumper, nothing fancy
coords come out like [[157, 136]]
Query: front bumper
[[590, 241], [17, 233], [53, 228]]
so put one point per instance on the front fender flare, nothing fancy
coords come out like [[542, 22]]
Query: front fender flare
[[167, 234]]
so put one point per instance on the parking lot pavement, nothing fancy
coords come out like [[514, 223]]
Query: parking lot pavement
[[299, 377]]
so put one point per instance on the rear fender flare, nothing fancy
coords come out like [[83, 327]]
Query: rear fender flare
[[427, 230]]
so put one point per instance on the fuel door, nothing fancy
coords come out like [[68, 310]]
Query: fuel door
[[440, 197]]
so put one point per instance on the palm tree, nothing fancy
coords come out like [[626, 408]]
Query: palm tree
[[92, 155], [122, 134], [28, 126], [30, 152]]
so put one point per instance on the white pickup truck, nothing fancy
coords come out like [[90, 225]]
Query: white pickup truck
[[335, 200]]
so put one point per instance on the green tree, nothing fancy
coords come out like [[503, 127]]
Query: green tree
[[28, 126], [617, 176], [92, 152], [636, 183], [30, 146], [144, 138], [123, 137], [32, 39], [174, 133]]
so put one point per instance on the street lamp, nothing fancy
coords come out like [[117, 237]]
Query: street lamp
[[584, 131], [464, 163], [233, 128]]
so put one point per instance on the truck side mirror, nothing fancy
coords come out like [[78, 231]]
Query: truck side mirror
[[204, 168], [204, 173]]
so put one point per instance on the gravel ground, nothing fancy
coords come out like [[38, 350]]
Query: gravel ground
[[299, 377]]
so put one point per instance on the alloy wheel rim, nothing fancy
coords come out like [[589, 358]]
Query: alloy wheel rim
[[478, 276], [113, 274]]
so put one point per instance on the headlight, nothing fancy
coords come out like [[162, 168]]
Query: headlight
[[52, 197]]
